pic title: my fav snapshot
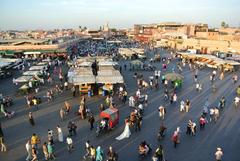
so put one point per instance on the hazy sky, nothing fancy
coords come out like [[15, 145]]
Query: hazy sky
[[49, 14]]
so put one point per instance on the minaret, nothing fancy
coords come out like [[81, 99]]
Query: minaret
[[106, 28]]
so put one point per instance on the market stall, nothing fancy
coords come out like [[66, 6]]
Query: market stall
[[108, 77], [82, 77]]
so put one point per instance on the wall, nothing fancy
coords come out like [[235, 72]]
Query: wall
[[28, 47], [206, 45]]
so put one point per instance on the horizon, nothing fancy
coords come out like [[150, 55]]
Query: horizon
[[70, 14]]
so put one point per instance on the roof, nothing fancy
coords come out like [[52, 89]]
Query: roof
[[23, 79], [110, 111], [109, 79], [31, 73], [22, 40], [37, 68], [83, 79]]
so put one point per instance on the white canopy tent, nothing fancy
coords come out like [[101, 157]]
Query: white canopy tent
[[39, 68], [23, 79], [32, 73]]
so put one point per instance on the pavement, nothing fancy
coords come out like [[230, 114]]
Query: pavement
[[202, 147]]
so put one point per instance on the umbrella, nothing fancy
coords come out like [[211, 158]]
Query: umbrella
[[136, 62], [173, 76]]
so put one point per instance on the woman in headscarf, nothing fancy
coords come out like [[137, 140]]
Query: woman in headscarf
[[99, 154]]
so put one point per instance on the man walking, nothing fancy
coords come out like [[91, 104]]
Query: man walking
[[29, 150], [219, 154], [69, 144], [91, 120], [31, 120]]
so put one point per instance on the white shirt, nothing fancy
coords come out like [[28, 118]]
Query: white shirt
[[219, 155], [87, 145], [121, 89], [211, 111], [28, 147], [236, 99], [69, 140]]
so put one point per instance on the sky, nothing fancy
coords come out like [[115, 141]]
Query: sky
[[51, 14]]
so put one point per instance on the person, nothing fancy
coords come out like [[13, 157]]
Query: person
[[145, 99], [159, 153], [162, 130], [62, 114], [154, 157], [222, 103], [216, 114], [92, 153], [219, 154], [125, 67], [202, 122], [69, 144], [66, 85], [193, 129], [187, 105], [166, 94], [143, 148], [138, 122], [91, 120], [124, 97], [126, 133], [211, 114], [34, 154], [29, 150], [175, 138], [45, 151], [101, 107], [74, 128], [73, 91], [161, 110], [221, 77], [111, 155], [60, 134], [197, 86], [189, 127], [182, 106], [236, 101], [99, 154], [67, 106], [35, 140], [235, 78], [50, 151], [30, 118], [174, 98], [88, 149]]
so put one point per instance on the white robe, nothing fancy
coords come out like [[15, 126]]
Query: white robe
[[182, 106], [60, 134], [125, 134]]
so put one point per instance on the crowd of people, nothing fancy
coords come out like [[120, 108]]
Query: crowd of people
[[138, 102]]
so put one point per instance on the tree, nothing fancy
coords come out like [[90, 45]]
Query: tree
[[114, 30], [223, 24]]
